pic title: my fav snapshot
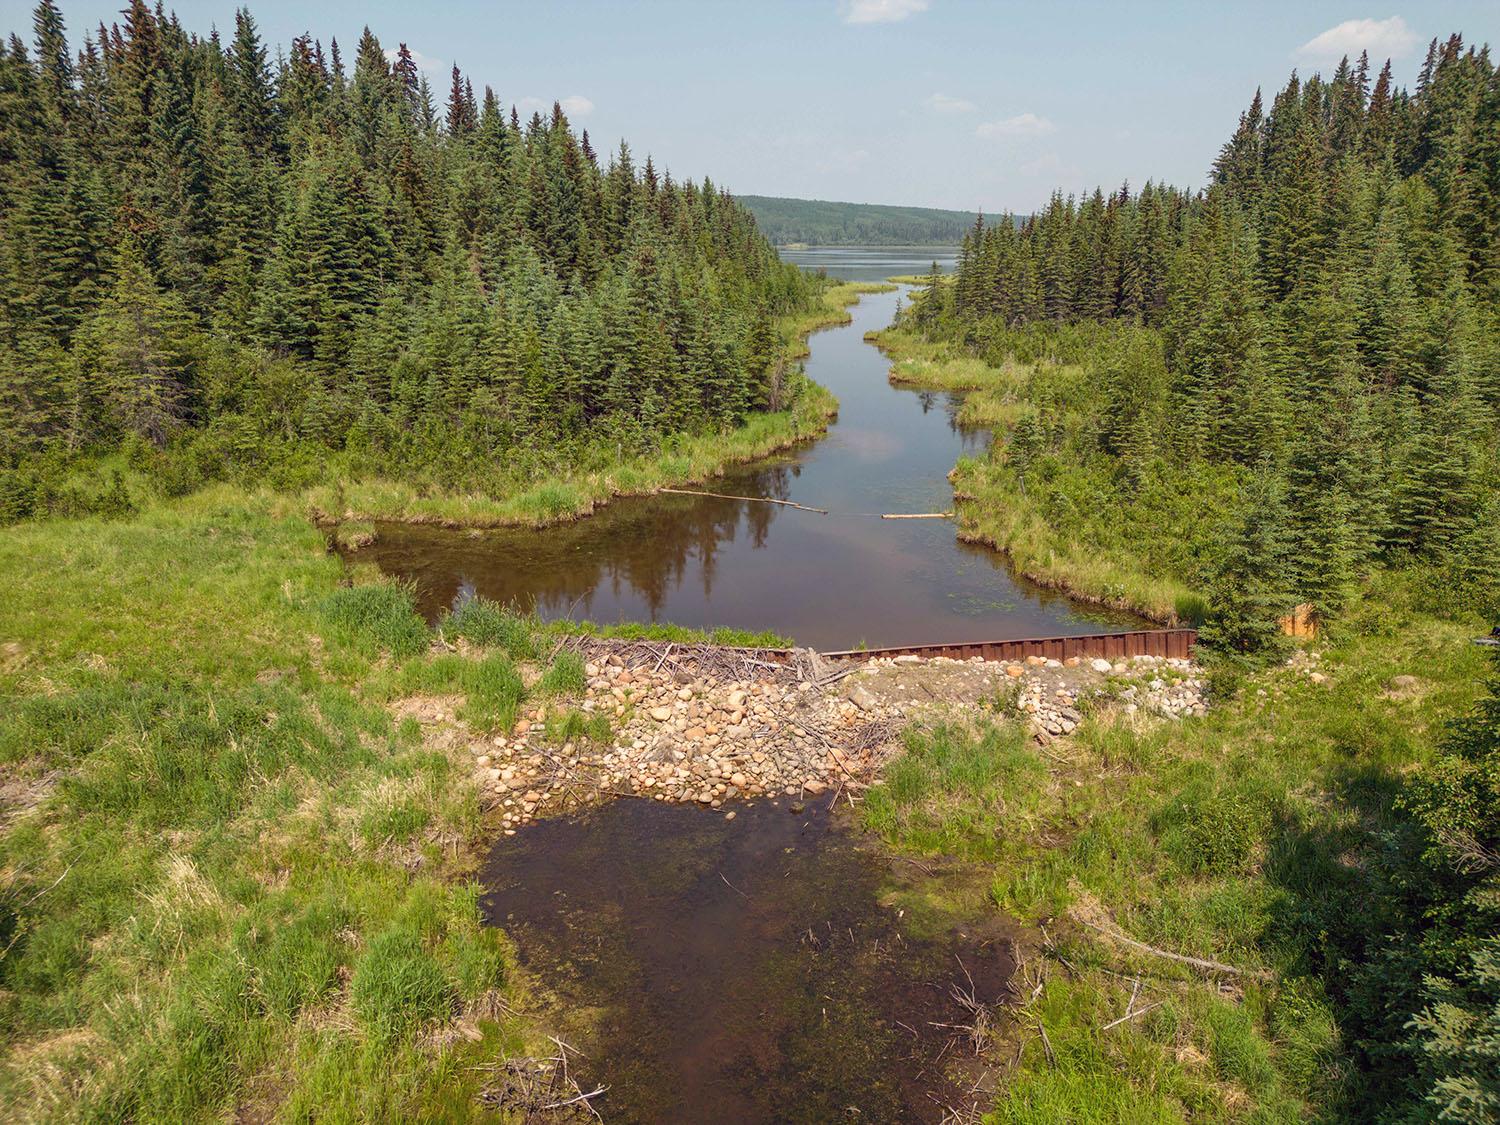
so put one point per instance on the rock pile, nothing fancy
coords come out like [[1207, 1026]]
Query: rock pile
[[686, 725]]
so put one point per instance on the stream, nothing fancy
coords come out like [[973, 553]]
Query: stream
[[837, 581], [777, 966], [769, 962]]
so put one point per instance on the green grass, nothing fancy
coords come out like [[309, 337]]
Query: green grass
[[230, 883], [952, 789], [1243, 836], [665, 631], [375, 618], [572, 725], [489, 625], [918, 278]]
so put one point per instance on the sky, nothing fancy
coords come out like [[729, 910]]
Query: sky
[[942, 103]]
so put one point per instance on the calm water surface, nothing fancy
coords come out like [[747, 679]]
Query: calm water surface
[[764, 969], [833, 581]]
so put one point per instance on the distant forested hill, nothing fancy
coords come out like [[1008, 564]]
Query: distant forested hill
[[819, 222]]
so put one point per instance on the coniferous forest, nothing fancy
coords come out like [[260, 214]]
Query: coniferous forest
[[825, 223], [233, 267], [265, 747], [1322, 321]]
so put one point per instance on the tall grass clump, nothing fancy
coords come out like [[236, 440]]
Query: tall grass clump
[[375, 617], [491, 625], [397, 986], [949, 791], [564, 677], [492, 687]]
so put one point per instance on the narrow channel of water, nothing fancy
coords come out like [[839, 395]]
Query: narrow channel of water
[[834, 581], [750, 970]]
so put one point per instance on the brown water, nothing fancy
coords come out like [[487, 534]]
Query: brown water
[[772, 967], [832, 581]]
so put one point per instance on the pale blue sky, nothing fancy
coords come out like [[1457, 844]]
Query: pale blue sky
[[944, 103]]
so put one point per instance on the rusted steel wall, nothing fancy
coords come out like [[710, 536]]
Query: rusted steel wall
[[1171, 643]]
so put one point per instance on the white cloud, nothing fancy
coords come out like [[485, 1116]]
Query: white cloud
[[843, 160], [574, 105], [1382, 38], [1049, 164], [881, 11], [1021, 125], [946, 103], [430, 65]]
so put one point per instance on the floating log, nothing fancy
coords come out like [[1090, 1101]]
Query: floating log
[[751, 499], [917, 516]]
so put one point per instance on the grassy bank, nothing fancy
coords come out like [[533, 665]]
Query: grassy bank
[[689, 459], [916, 278], [232, 884], [1072, 524], [1250, 837]]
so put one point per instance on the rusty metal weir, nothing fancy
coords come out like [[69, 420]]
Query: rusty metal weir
[[1172, 644]]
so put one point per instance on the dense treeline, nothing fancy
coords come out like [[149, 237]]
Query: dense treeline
[[1326, 311], [249, 264], [1280, 384], [819, 222]]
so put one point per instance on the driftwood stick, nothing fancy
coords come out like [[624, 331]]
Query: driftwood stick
[[1046, 1042], [752, 499], [1130, 1015], [1201, 963], [917, 516], [579, 1098]]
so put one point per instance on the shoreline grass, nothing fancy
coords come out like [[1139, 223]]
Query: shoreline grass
[[918, 278], [993, 507]]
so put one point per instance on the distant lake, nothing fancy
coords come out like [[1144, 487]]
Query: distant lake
[[871, 263]]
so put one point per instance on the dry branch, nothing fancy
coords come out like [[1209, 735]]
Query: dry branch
[[751, 499], [1200, 963]]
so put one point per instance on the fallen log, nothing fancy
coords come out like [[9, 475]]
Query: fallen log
[[1200, 963], [917, 516], [751, 499]]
